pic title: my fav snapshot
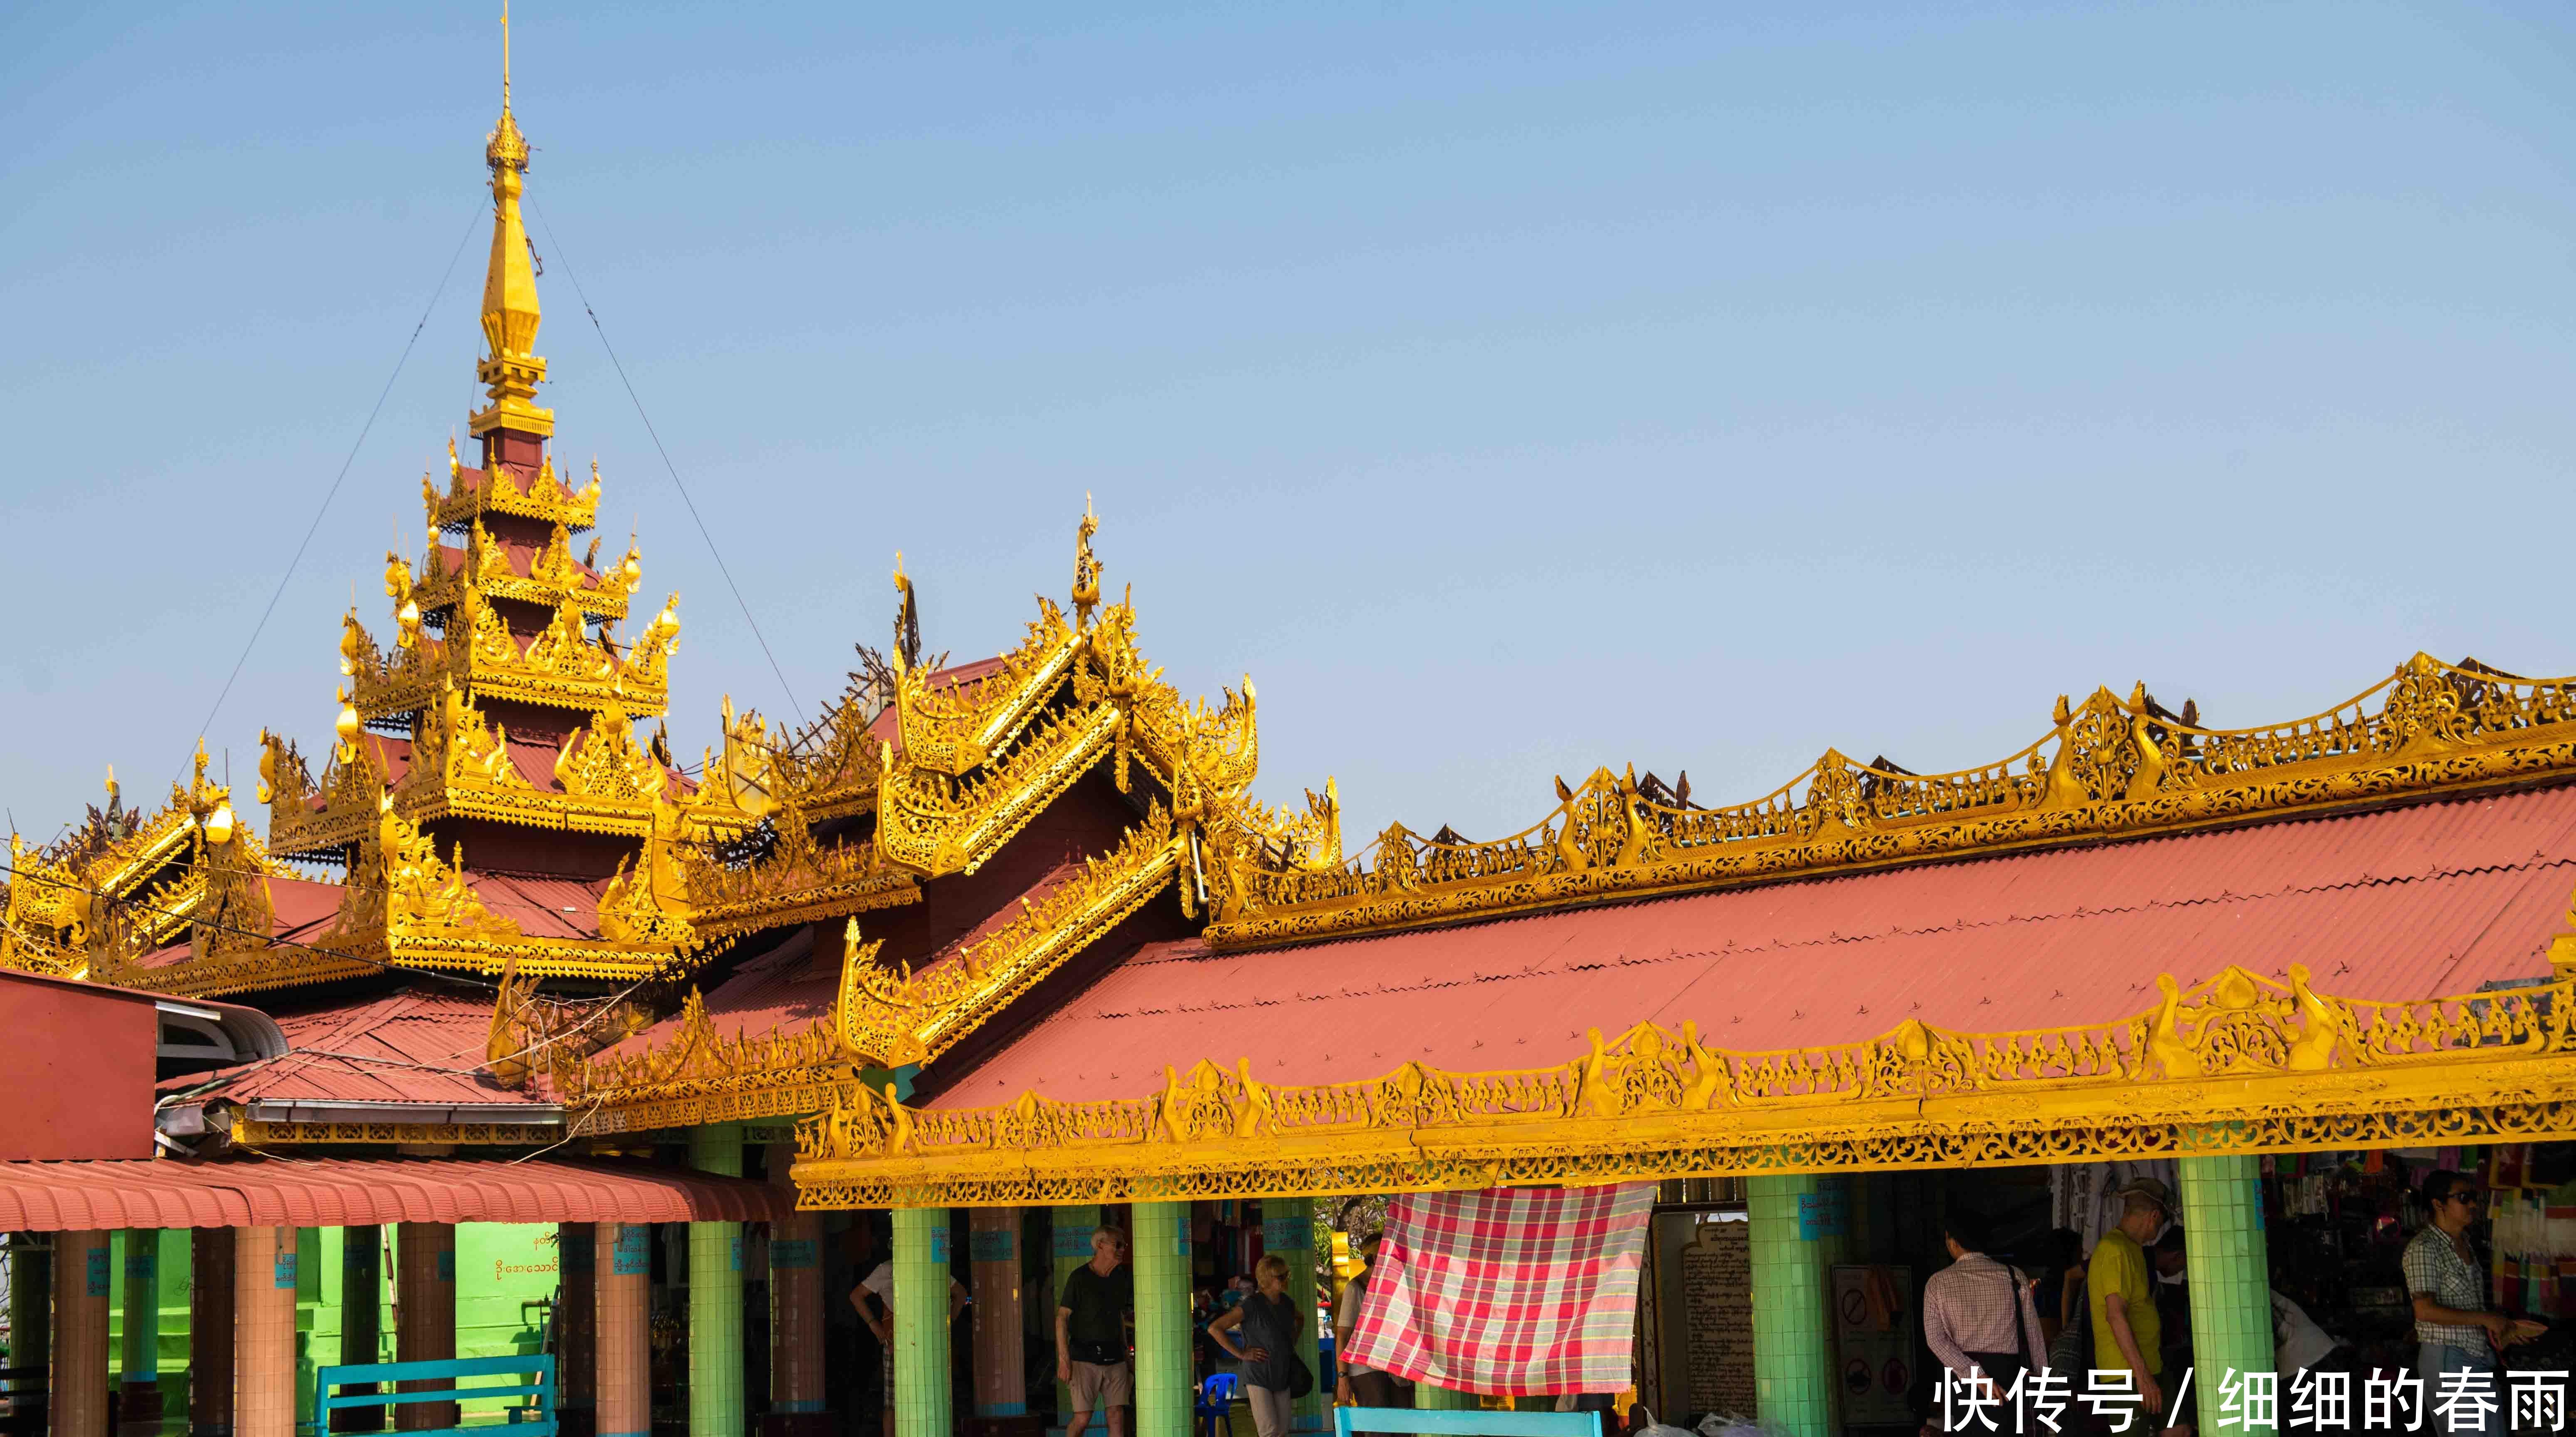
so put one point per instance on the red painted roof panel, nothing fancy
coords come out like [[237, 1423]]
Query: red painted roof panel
[[2399, 902]]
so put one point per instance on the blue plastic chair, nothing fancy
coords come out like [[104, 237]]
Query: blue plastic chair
[[1216, 1403]]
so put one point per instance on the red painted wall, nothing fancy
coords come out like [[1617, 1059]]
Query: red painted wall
[[76, 1068]]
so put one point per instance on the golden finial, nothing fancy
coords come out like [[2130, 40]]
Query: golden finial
[[512, 371], [1086, 569]]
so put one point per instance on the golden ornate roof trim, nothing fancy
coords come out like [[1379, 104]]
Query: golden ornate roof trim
[[952, 727], [936, 824], [561, 666], [2107, 769], [699, 1076], [896, 1016], [2237, 1064], [552, 580], [799, 881], [544, 497]]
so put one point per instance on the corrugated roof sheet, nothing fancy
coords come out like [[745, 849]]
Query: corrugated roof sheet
[[411, 1046], [325, 1192], [2400, 902]]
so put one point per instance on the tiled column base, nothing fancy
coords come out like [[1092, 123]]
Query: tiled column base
[[1069, 1228], [82, 1288], [1792, 1367], [362, 1294], [1162, 1254], [425, 1320], [715, 1297], [622, 1266], [138, 1398], [2225, 1256], [921, 1400], [1442, 1399], [264, 1262]]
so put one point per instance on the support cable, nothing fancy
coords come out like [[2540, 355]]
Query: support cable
[[795, 708], [333, 492]]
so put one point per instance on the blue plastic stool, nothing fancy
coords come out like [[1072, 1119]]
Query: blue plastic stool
[[1216, 1403]]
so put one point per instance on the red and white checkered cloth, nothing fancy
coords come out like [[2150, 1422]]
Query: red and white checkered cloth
[[1518, 1291]]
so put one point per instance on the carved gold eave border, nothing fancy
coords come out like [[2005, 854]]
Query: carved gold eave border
[[934, 836], [2237, 1063], [894, 1018], [2317, 789], [537, 958], [256, 970], [2512, 1099], [251, 1134], [781, 1094], [818, 903]]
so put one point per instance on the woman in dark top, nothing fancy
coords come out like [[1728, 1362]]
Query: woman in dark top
[[1266, 1321]]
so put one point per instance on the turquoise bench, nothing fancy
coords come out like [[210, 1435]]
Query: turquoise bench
[[1347, 1420], [452, 1373]]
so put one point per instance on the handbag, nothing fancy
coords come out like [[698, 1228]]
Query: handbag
[[1301, 1378]]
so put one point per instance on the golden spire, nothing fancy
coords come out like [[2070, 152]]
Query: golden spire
[[511, 371]]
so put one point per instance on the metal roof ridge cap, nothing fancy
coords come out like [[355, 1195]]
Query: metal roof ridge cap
[[307, 1110]]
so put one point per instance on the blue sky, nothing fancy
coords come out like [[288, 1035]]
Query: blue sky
[[1509, 390]]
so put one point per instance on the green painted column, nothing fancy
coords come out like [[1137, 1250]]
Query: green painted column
[[139, 1365], [1793, 1367], [1442, 1399], [1288, 1229], [1161, 1244], [715, 1298], [921, 1396], [2226, 1257], [1071, 1228]]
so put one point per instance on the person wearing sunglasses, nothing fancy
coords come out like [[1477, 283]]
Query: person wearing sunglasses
[[2454, 1331]]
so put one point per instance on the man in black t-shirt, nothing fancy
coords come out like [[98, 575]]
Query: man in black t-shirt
[[1091, 1335]]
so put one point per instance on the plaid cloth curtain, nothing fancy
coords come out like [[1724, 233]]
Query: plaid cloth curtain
[[1518, 1291]]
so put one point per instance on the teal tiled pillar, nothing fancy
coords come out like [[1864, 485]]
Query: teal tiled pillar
[[2229, 1265], [715, 1297], [1161, 1244], [1070, 1228], [139, 1400], [921, 1396], [1793, 1367]]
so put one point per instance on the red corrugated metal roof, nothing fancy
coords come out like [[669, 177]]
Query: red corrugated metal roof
[[411, 1046], [326, 1192], [542, 907], [303, 907], [2401, 902]]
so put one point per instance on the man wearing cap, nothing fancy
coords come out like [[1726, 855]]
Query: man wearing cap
[[2127, 1337]]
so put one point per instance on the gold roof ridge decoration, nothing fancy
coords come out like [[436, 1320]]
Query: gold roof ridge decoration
[[893, 1016], [124, 884], [2238, 1063], [2108, 768], [978, 755]]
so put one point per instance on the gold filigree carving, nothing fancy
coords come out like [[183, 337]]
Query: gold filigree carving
[[893, 1016], [2107, 768], [2238, 1063]]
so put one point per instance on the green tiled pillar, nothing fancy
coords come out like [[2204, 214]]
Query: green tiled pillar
[[1071, 1227], [138, 1397], [921, 1397], [715, 1297], [2231, 1294], [1792, 1367], [1161, 1244], [1442, 1399], [1288, 1229]]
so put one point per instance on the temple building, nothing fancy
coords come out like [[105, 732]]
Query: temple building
[[515, 1034]]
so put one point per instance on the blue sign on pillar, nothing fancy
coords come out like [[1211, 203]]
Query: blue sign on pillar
[[633, 1255]]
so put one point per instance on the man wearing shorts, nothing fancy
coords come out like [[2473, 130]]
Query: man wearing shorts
[[1091, 1335]]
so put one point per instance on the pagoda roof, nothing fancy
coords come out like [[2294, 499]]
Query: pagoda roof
[[413, 1045]]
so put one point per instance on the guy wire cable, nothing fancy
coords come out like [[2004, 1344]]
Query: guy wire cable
[[794, 707], [328, 495]]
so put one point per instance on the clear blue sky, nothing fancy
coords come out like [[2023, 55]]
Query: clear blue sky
[[1508, 389]]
